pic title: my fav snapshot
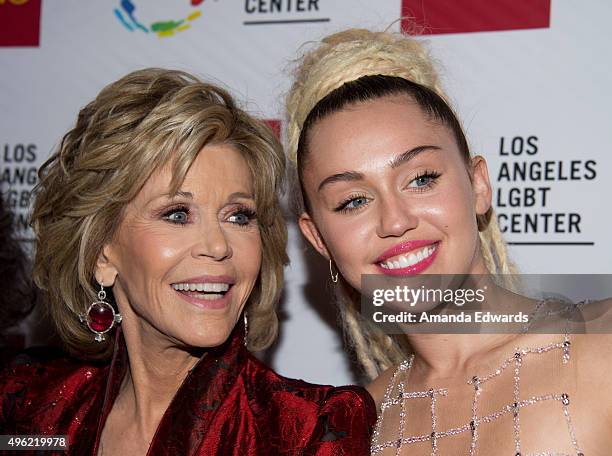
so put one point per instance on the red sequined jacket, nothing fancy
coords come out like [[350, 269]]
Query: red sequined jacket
[[229, 404]]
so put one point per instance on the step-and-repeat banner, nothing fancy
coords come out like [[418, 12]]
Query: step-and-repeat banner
[[530, 79]]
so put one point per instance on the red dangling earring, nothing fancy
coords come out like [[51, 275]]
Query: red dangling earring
[[100, 316]]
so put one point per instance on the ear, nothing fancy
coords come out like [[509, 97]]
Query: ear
[[311, 232], [481, 185], [105, 271]]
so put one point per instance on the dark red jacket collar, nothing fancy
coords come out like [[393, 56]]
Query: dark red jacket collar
[[195, 401]]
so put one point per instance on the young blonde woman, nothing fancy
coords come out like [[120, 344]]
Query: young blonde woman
[[389, 186]]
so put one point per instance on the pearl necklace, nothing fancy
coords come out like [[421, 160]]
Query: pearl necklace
[[398, 383]]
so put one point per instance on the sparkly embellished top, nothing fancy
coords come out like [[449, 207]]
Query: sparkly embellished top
[[525, 415], [229, 404]]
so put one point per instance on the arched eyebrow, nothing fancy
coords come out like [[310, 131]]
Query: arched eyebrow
[[178, 194], [348, 176], [340, 177], [183, 194], [189, 195], [409, 155]]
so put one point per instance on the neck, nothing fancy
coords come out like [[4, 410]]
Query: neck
[[450, 355], [156, 370]]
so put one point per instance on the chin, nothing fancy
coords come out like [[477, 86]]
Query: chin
[[209, 337]]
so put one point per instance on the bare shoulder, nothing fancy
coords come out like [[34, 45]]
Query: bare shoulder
[[594, 343], [596, 316], [591, 355], [594, 354], [378, 387]]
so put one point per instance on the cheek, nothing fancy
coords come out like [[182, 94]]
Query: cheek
[[247, 251], [146, 259], [452, 205], [450, 213], [154, 253], [345, 237]]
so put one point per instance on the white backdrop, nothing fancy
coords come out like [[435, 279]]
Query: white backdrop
[[529, 97]]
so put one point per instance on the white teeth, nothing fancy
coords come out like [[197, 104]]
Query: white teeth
[[208, 297], [206, 286], [216, 287], [404, 261]]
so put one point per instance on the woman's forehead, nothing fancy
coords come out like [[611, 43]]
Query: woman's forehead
[[374, 132], [216, 168]]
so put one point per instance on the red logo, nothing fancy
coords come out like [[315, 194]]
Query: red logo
[[19, 22], [275, 125], [433, 17]]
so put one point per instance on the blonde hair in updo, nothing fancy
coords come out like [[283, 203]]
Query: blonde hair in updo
[[342, 58], [347, 56]]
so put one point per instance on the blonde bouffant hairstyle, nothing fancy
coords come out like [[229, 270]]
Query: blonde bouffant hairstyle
[[136, 125], [321, 78]]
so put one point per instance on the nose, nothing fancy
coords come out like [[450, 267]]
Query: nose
[[395, 217], [212, 243]]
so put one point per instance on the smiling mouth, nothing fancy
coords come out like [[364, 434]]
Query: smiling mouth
[[407, 260], [206, 291]]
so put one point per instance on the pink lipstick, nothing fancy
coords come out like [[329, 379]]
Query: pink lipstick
[[408, 258]]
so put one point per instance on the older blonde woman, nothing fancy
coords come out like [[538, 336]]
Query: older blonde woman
[[158, 233]]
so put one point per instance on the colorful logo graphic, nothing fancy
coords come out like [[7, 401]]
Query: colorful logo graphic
[[433, 17], [126, 14], [19, 22]]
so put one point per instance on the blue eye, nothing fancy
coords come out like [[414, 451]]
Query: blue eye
[[243, 217], [355, 203], [352, 203], [178, 215], [424, 180], [421, 181]]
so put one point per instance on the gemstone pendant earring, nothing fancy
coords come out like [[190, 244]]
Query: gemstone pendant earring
[[100, 316]]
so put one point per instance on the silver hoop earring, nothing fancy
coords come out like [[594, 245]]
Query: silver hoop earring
[[100, 316], [246, 328], [334, 277]]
